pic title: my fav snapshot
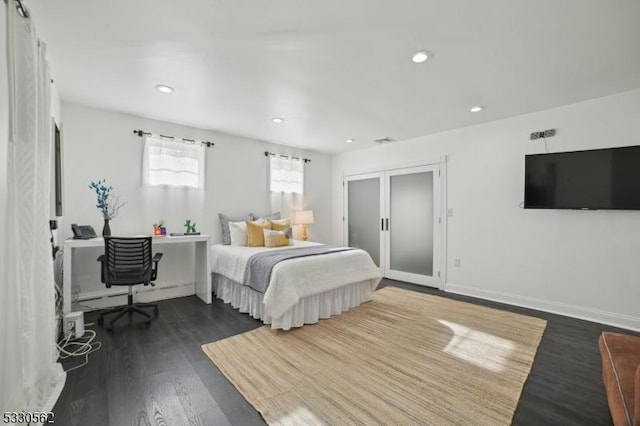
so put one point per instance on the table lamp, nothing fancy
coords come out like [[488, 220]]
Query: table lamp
[[304, 218]]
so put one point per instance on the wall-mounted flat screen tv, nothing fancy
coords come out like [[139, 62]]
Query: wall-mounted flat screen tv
[[607, 179]]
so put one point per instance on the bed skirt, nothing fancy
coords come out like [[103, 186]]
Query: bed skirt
[[309, 310]]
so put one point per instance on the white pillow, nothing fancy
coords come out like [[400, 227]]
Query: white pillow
[[238, 232]]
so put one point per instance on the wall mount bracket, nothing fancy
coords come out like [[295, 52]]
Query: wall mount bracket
[[543, 134]]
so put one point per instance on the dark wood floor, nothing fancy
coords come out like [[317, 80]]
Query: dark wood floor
[[159, 375]]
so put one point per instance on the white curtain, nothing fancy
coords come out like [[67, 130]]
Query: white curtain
[[286, 174], [31, 378], [286, 183], [175, 164]]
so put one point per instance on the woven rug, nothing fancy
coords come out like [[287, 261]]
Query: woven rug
[[403, 358]]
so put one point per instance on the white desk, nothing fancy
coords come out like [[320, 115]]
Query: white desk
[[202, 267]]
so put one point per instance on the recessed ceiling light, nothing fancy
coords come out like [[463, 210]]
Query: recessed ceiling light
[[350, 140], [277, 119], [165, 89], [421, 56], [477, 108]]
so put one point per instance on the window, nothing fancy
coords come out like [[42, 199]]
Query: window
[[286, 174], [174, 164]]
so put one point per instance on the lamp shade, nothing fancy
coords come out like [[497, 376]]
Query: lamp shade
[[304, 217]]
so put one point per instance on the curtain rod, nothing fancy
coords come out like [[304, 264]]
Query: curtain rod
[[142, 133], [273, 154], [22, 10]]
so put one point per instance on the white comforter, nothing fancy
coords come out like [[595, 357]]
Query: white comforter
[[293, 279]]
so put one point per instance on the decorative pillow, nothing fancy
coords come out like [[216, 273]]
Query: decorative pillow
[[224, 222], [238, 231], [275, 238], [280, 225], [272, 216], [289, 233], [255, 237]]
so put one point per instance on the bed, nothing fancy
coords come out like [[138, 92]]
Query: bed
[[300, 290]]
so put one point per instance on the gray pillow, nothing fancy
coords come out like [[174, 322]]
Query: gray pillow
[[272, 216], [289, 233], [224, 222]]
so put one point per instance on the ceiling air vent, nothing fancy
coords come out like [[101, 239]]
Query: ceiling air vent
[[385, 140]]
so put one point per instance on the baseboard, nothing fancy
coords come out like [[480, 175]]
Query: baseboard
[[166, 291], [574, 311]]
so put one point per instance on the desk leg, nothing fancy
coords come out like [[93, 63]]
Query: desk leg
[[66, 279], [202, 272]]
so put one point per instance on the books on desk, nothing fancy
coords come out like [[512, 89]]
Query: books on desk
[[182, 234]]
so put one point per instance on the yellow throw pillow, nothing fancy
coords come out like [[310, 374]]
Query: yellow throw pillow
[[255, 237], [275, 238], [280, 225]]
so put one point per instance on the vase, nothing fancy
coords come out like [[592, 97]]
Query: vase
[[106, 229]]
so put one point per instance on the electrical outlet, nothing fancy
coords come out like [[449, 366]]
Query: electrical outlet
[[456, 263]]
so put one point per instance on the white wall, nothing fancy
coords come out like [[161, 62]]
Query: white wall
[[580, 263], [100, 144]]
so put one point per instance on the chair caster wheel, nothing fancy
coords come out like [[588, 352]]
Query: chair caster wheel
[[100, 320], [147, 322], [155, 311], [110, 328]]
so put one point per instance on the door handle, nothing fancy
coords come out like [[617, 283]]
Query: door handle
[[381, 224], [387, 221]]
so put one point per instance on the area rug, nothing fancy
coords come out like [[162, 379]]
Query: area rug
[[403, 358]]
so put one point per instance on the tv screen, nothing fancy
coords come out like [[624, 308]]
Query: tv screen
[[595, 179]]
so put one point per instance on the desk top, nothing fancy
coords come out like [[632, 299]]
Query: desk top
[[99, 242]]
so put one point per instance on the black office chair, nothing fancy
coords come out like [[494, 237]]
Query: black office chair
[[128, 261]]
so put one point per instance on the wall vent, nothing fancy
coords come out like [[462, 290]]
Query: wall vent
[[385, 140]]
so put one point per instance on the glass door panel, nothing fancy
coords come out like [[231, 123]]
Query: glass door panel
[[364, 215], [412, 239], [411, 223]]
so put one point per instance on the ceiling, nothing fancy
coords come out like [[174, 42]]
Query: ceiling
[[338, 69]]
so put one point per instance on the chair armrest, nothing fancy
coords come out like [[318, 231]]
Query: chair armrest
[[101, 260], [154, 270]]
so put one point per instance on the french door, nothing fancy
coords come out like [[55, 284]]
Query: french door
[[396, 216]]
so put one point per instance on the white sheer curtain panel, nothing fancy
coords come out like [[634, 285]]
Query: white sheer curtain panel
[[174, 164], [31, 378], [286, 183], [286, 174]]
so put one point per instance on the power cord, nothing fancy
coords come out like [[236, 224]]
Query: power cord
[[80, 346], [57, 282], [68, 347]]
